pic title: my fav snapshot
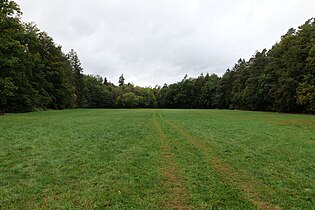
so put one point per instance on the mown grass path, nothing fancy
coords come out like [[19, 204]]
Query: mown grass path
[[157, 159], [173, 178], [230, 176]]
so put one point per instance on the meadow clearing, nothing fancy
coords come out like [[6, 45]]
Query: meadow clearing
[[154, 158]]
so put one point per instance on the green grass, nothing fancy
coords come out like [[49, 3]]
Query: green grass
[[149, 159]]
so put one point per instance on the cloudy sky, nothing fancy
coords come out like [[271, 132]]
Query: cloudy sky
[[156, 41]]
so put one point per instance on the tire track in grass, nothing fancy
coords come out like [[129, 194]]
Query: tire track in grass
[[229, 175], [173, 179]]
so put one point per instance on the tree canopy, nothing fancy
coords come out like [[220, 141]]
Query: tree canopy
[[36, 74]]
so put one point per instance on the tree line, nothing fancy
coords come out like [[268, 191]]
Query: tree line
[[36, 74], [281, 79]]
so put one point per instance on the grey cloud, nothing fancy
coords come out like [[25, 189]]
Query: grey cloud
[[157, 41]]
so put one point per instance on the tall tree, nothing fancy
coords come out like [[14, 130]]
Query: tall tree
[[78, 82], [15, 72], [121, 80]]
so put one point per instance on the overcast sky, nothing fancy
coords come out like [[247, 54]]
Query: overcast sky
[[156, 41]]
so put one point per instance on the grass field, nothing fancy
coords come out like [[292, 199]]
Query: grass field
[[148, 159]]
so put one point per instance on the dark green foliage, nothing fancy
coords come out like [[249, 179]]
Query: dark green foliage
[[121, 80], [35, 73], [253, 96], [11, 52], [147, 98], [103, 94], [281, 79], [78, 82], [128, 100], [208, 91], [96, 93]]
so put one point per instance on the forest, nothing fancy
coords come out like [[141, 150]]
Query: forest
[[35, 74]]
